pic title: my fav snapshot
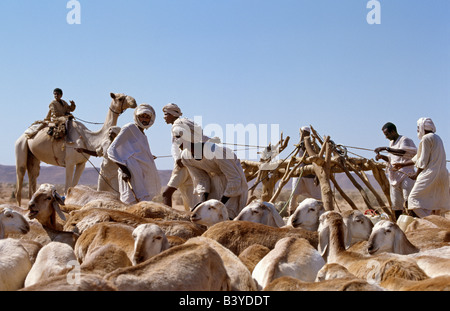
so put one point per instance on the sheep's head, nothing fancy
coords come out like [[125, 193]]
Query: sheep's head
[[307, 214], [12, 222], [388, 237], [150, 240], [261, 212], [209, 213], [359, 227], [44, 205]]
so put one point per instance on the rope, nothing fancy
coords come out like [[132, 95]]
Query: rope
[[99, 173], [292, 192], [76, 118]]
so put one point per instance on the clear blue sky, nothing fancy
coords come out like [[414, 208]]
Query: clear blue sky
[[288, 62]]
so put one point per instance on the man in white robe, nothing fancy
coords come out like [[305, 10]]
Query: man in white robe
[[401, 150], [180, 178], [430, 193], [131, 152], [308, 186], [216, 171]]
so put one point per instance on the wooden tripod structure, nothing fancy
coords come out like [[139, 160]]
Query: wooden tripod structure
[[323, 158]]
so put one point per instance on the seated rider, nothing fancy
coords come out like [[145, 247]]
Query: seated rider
[[60, 110]]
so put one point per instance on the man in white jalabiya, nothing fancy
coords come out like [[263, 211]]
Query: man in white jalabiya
[[180, 178], [131, 152], [430, 194], [306, 185], [401, 150], [216, 171]]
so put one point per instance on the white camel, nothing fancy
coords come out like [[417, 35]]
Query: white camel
[[31, 151]]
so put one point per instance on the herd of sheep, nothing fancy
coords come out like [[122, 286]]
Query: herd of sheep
[[92, 241]]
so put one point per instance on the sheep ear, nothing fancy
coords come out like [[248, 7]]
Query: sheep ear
[[2, 231], [324, 236], [401, 243], [58, 200]]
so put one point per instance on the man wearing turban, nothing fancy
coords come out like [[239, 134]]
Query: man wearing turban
[[131, 152], [431, 189], [306, 185], [180, 178], [216, 171]]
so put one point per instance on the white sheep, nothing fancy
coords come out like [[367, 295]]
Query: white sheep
[[240, 277], [14, 264], [53, 259], [187, 267], [388, 237], [209, 213], [238, 235], [261, 212], [290, 257], [44, 207], [307, 214], [371, 268], [150, 240], [358, 227], [12, 222]]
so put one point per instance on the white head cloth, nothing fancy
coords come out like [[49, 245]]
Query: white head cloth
[[306, 128], [187, 131], [144, 109], [172, 109], [425, 124]]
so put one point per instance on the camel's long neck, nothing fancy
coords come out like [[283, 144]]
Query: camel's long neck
[[95, 139]]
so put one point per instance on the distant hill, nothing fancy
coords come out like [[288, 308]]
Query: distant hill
[[56, 175]]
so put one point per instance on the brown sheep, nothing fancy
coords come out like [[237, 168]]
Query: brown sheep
[[238, 235], [252, 255], [187, 267]]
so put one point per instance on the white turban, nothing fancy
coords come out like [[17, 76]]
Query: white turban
[[184, 130], [425, 124], [172, 109], [306, 128], [144, 109]]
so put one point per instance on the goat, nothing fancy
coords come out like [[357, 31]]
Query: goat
[[388, 237], [79, 221], [209, 213], [240, 277], [307, 214], [238, 235], [372, 268], [440, 283], [12, 222], [105, 259], [288, 283], [150, 240], [261, 212], [150, 209], [52, 260], [290, 257], [358, 227], [44, 207], [81, 195], [83, 282], [102, 234], [252, 255], [14, 264], [187, 267]]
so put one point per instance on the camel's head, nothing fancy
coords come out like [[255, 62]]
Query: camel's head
[[44, 205], [121, 102]]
